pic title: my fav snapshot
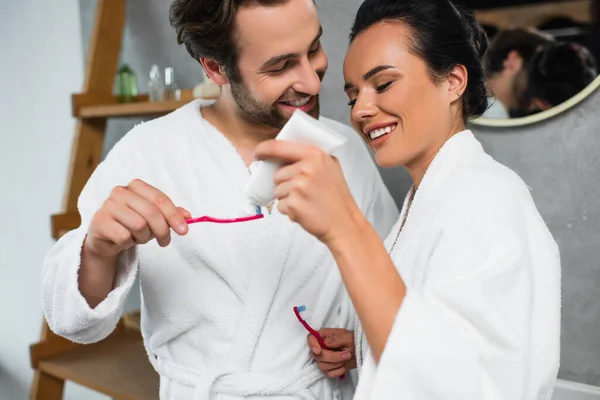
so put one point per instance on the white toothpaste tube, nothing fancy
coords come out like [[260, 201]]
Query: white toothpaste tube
[[301, 128]]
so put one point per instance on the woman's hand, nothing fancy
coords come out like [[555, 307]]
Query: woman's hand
[[339, 359], [311, 189]]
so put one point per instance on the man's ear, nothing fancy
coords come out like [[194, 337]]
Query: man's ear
[[513, 62], [214, 71]]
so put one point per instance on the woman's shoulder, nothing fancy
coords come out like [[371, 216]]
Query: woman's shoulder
[[485, 186]]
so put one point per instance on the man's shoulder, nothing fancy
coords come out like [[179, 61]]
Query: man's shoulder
[[164, 129], [355, 147]]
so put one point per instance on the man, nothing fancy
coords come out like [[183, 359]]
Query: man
[[506, 64], [217, 300]]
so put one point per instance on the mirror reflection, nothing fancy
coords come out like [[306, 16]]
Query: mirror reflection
[[541, 53]]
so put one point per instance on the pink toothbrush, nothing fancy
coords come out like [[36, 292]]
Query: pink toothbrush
[[206, 218], [297, 311]]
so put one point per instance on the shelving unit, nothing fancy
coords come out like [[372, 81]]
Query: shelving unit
[[536, 14], [117, 366]]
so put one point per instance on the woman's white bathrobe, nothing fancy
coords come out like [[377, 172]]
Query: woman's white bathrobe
[[217, 303], [481, 318]]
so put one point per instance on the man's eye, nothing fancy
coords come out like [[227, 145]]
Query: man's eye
[[283, 67]]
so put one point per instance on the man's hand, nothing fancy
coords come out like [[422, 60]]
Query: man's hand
[[133, 214], [339, 359]]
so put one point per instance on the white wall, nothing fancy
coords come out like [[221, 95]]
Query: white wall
[[41, 64]]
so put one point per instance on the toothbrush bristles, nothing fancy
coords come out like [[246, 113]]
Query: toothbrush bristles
[[301, 308]]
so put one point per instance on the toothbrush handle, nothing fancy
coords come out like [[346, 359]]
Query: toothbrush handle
[[314, 333]]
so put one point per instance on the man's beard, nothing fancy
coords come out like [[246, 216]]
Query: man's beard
[[261, 113]]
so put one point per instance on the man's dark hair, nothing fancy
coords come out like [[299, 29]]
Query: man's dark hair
[[207, 28], [525, 41]]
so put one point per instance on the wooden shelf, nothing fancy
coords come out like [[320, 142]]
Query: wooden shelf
[[129, 109], [98, 105], [117, 367], [536, 14]]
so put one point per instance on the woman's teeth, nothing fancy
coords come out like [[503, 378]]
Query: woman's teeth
[[298, 103], [374, 134]]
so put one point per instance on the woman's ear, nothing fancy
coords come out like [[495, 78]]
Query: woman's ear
[[457, 82], [214, 71]]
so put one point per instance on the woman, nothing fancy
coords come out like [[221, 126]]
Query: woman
[[462, 300], [558, 71]]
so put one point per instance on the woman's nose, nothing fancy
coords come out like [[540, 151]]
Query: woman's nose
[[363, 109]]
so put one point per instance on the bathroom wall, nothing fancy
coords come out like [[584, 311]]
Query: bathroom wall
[[558, 159], [40, 66]]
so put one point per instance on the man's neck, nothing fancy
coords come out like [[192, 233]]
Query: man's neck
[[499, 88], [243, 135]]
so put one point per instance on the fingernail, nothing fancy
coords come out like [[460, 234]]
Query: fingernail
[[315, 350], [346, 356], [182, 228]]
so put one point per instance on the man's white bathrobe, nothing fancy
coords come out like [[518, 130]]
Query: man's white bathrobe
[[217, 304], [481, 318]]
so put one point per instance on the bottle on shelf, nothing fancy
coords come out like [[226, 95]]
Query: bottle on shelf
[[126, 84], [172, 92], [156, 86]]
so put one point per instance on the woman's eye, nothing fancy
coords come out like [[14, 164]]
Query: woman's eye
[[382, 88], [351, 103]]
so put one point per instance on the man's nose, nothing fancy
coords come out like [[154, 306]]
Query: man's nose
[[309, 81]]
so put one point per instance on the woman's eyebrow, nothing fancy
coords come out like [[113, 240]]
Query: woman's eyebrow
[[371, 73]]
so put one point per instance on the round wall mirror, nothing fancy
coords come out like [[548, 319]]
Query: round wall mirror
[[542, 115], [542, 59]]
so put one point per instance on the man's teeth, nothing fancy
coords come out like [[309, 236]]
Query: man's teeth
[[374, 134], [298, 103]]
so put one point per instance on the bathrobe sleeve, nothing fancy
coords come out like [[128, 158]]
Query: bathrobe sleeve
[[465, 334], [65, 309]]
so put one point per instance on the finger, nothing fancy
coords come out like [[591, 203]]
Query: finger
[[110, 236], [284, 189], [171, 214], [289, 152], [313, 344], [337, 338], [283, 206], [336, 372], [153, 223], [290, 205], [186, 214], [286, 173], [129, 218], [335, 356], [326, 367]]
